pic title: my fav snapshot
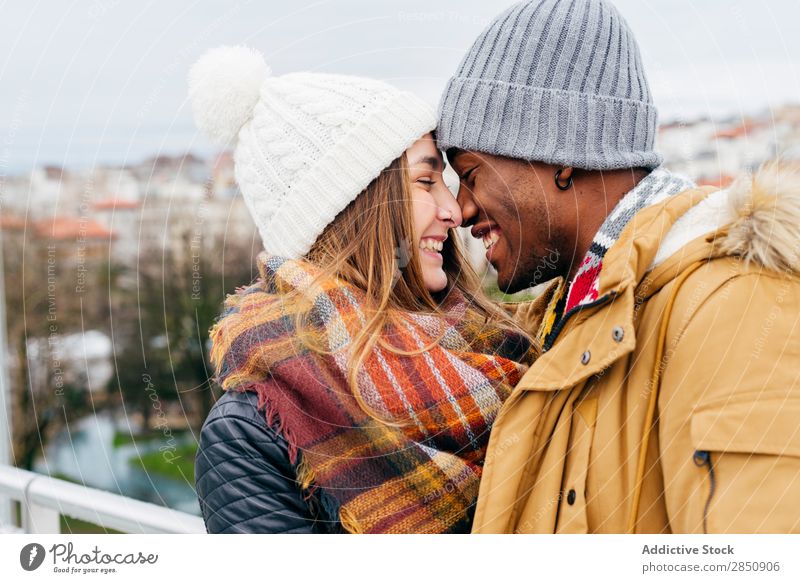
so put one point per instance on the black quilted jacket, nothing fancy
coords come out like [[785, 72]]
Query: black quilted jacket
[[244, 479]]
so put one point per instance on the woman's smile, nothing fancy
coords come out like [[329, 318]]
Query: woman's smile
[[431, 247]]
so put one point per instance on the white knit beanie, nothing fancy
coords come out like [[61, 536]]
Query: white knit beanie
[[305, 144]]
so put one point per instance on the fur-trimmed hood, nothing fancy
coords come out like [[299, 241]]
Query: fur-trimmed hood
[[758, 217]]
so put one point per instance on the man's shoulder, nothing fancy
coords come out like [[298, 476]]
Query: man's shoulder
[[725, 278], [741, 292]]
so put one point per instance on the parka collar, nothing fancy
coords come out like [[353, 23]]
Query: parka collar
[[628, 261], [594, 343]]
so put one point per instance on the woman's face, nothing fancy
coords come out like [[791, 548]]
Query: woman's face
[[435, 209]]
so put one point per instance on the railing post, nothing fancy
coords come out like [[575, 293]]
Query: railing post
[[6, 515], [40, 519]]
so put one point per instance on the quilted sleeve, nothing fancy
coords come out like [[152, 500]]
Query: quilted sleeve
[[245, 481]]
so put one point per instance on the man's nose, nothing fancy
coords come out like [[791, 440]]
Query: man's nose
[[469, 210]]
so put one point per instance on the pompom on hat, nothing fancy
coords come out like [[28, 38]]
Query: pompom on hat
[[225, 84], [305, 144]]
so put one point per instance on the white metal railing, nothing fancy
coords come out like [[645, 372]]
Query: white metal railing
[[44, 499]]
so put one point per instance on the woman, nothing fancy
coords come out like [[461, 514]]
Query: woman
[[363, 370]]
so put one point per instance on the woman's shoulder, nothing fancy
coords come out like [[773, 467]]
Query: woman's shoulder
[[236, 417], [241, 405]]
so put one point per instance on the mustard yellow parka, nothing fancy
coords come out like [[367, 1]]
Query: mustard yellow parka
[[672, 403]]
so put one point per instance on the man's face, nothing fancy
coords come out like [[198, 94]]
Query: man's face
[[509, 205]]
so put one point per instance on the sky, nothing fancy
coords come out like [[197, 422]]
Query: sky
[[104, 81]]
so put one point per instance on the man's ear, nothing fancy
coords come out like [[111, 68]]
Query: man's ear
[[563, 177], [566, 173]]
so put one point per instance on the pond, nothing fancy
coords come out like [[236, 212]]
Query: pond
[[84, 452]]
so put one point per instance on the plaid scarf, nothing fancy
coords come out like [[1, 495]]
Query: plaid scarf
[[415, 469], [654, 188]]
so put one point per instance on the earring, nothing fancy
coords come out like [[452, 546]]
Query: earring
[[566, 186]]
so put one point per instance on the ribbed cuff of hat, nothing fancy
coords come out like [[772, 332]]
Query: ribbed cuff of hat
[[346, 169], [554, 126]]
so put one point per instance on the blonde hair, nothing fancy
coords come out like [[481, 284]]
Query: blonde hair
[[370, 246]]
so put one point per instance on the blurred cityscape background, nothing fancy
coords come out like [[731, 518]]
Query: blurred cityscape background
[[122, 232]]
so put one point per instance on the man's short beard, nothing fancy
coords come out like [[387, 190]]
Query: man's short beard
[[539, 270]]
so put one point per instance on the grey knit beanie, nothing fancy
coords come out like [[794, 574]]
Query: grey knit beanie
[[555, 81]]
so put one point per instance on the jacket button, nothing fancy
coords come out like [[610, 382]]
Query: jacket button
[[618, 333], [586, 357], [571, 495]]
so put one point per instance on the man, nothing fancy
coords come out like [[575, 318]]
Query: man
[[667, 398]]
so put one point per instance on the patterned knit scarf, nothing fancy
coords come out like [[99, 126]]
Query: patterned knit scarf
[[417, 473], [654, 188]]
